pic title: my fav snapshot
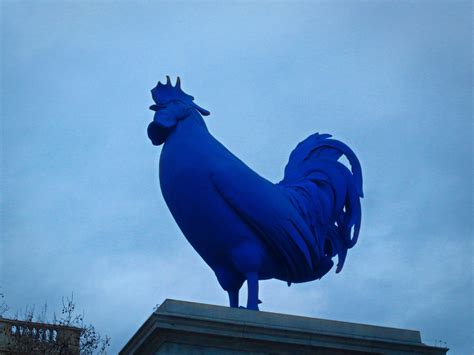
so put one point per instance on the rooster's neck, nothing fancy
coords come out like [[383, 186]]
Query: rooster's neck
[[193, 124]]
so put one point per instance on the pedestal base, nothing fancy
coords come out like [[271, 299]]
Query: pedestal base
[[178, 327]]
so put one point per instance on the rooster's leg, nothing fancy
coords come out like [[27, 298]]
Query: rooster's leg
[[252, 296], [233, 298], [231, 282]]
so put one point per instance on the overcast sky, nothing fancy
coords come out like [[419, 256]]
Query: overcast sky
[[81, 209]]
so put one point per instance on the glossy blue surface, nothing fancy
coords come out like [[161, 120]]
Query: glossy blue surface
[[245, 227]]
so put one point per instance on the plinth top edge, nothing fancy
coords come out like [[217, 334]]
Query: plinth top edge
[[207, 312]]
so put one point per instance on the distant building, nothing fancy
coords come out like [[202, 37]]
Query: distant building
[[178, 327], [33, 338]]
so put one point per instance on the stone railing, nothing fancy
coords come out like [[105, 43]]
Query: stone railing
[[22, 337]]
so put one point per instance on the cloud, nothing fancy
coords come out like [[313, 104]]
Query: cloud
[[81, 206]]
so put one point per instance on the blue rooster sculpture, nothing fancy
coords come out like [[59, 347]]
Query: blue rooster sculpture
[[245, 227]]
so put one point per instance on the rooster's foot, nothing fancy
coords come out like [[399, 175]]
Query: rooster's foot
[[252, 297]]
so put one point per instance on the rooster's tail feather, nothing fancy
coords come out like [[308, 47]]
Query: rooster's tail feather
[[326, 192]]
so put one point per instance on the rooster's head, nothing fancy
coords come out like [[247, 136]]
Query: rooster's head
[[171, 105]]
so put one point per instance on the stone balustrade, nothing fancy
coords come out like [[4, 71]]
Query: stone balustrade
[[17, 337]]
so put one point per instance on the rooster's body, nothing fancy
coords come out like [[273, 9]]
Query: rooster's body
[[242, 225]]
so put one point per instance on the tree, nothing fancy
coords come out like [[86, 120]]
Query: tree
[[31, 333], [3, 305]]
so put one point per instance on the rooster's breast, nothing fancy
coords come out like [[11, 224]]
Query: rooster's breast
[[210, 225]]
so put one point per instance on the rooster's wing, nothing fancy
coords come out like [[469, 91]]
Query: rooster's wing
[[267, 208]]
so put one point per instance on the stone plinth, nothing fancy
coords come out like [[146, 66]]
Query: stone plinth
[[178, 327]]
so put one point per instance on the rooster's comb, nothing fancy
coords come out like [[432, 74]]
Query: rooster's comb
[[164, 93]]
